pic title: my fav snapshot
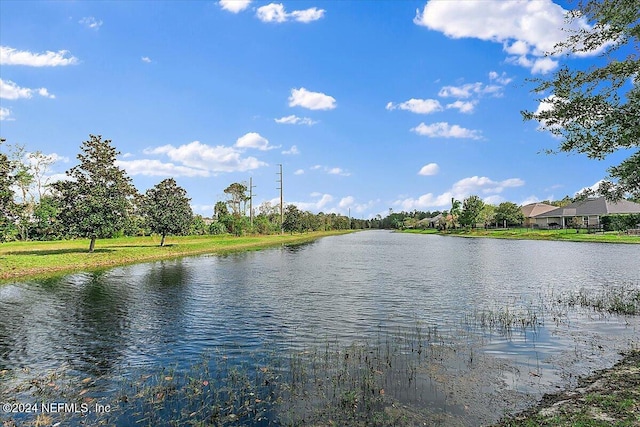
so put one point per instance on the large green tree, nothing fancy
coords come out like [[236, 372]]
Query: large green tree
[[292, 219], [471, 210], [95, 200], [8, 208], [167, 209], [596, 111], [509, 213]]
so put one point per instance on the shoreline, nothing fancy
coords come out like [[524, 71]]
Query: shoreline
[[42, 259], [528, 234], [610, 396]]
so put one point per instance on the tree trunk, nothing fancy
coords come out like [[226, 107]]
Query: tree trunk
[[162, 240], [92, 245]]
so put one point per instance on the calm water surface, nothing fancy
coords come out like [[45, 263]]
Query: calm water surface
[[342, 289]]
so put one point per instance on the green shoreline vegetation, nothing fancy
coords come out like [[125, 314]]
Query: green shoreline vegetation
[[32, 259], [569, 235]]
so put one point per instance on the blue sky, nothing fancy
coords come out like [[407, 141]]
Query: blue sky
[[368, 105]]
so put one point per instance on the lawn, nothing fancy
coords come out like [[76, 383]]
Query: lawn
[[530, 234], [29, 259]]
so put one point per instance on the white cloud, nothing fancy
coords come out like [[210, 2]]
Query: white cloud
[[526, 29], [234, 6], [496, 199], [311, 100], [346, 202], [201, 156], [307, 15], [337, 171], [299, 172], [464, 91], [5, 114], [10, 90], [429, 169], [460, 190], [445, 130], [469, 89], [254, 140], [529, 200], [275, 12], [418, 106], [152, 167], [11, 56], [463, 106], [475, 184], [44, 92], [349, 202], [146, 59], [594, 188], [547, 105], [291, 151], [91, 22], [503, 79], [295, 120], [313, 206], [543, 65], [331, 171]]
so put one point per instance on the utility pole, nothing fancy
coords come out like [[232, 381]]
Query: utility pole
[[349, 218], [251, 187], [281, 201]]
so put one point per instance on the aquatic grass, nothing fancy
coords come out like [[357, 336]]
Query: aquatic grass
[[401, 377], [505, 321], [621, 299], [363, 383]]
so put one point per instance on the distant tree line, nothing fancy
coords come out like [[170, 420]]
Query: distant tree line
[[99, 200], [471, 212]]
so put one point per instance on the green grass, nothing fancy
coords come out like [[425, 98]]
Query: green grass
[[530, 234], [34, 259]]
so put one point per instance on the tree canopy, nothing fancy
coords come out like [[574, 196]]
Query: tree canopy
[[167, 210], [471, 211], [7, 205], [597, 111], [509, 213], [95, 200]]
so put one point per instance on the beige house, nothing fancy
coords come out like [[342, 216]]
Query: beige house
[[531, 210], [590, 210]]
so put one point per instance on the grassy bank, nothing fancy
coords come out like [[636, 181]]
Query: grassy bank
[[530, 234], [32, 259], [610, 397]]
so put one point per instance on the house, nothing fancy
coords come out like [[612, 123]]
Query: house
[[591, 211], [429, 222], [531, 210]]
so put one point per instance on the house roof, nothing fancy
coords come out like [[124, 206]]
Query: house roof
[[534, 209], [599, 206], [434, 219]]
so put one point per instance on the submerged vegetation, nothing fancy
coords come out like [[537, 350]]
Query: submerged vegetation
[[328, 384], [418, 375]]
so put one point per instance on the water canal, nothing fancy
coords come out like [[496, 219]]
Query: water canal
[[377, 326]]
